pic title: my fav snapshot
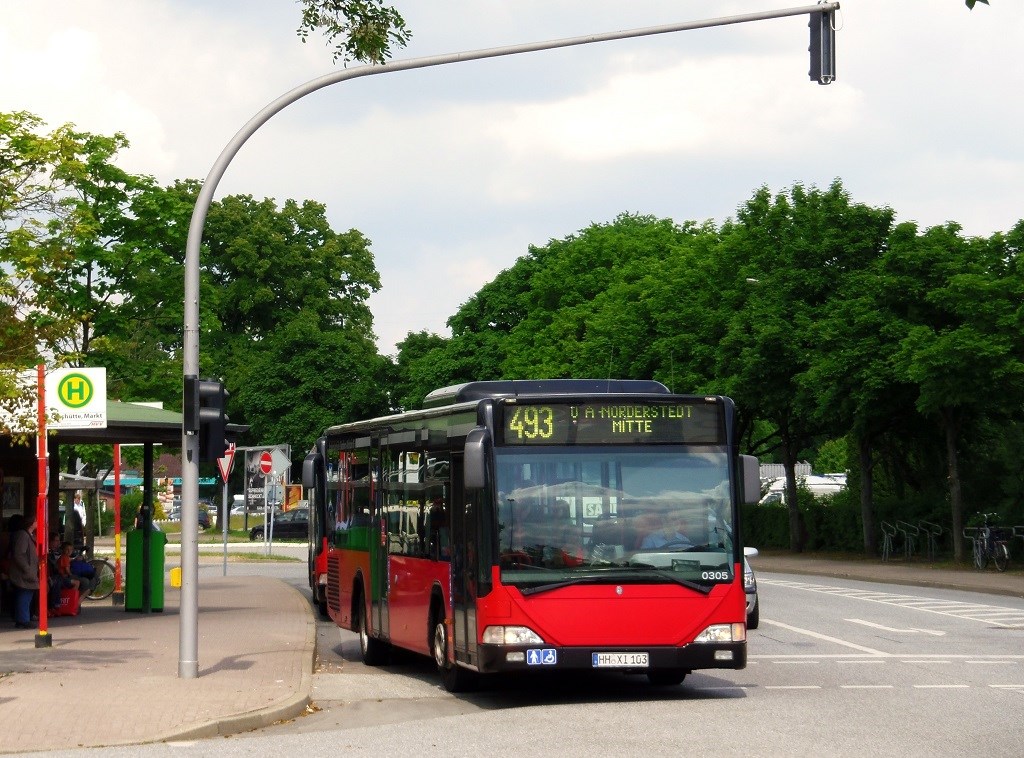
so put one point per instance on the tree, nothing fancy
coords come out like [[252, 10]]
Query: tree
[[57, 193], [366, 29], [789, 251], [420, 368], [284, 319], [961, 345], [850, 377]]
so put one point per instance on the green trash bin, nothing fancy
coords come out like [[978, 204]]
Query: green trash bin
[[134, 595]]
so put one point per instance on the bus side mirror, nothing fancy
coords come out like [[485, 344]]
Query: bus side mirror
[[475, 474], [309, 471], [751, 471]]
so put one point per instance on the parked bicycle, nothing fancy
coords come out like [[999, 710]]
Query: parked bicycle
[[102, 578], [990, 543]]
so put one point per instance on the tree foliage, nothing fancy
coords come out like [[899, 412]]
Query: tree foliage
[[93, 274], [361, 30], [59, 194], [830, 325]]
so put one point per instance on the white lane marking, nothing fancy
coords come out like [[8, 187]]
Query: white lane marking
[[826, 638], [866, 660], [892, 629], [942, 686], [990, 661], [866, 687], [793, 687], [803, 659]]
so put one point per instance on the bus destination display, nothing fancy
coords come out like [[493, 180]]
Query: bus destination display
[[612, 423]]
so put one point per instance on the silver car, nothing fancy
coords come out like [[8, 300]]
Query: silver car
[[750, 587]]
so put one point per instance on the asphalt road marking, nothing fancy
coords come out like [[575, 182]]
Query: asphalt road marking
[[892, 629], [1009, 618], [826, 638]]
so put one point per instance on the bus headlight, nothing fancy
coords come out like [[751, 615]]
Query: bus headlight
[[723, 633], [511, 635]]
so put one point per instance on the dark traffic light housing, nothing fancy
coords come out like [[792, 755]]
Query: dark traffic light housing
[[822, 47], [204, 413]]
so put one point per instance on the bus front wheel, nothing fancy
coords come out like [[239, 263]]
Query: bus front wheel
[[453, 677]]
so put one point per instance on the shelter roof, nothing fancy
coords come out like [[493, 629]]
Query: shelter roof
[[128, 422]]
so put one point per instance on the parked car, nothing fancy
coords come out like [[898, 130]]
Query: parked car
[[174, 513], [288, 525], [750, 587]]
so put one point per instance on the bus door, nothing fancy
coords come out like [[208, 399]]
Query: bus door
[[378, 547], [465, 564], [314, 480]]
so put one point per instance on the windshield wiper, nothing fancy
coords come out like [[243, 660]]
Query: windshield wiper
[[703, 549]]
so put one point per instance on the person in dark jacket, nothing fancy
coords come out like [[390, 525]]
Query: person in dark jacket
[[24, 571]]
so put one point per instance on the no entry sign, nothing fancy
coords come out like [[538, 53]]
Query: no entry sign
[[266, 462]]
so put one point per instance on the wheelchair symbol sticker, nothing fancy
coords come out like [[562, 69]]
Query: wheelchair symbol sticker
[[547, 657]]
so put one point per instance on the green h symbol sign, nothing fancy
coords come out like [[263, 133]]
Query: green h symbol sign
[[75, 390]]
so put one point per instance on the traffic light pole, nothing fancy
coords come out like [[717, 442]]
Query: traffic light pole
[[188, 654]]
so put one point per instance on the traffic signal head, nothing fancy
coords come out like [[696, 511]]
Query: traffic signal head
[[205, 403], [822, 47]]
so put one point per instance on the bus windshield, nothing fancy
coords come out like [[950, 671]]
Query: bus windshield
[[569, 514]]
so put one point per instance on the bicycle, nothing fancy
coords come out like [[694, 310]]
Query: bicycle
[[102, 577], [990, 543]]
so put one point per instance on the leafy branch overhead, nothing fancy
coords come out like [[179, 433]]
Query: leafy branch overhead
[[361, 30]]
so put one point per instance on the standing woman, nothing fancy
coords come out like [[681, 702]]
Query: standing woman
[[24, 571]]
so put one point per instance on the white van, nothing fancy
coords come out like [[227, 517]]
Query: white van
[[818, 484]]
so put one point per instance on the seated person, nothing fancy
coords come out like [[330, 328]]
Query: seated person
[[671, 534], [77, 570], [65, 579]]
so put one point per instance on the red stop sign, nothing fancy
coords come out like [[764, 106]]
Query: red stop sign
[[266, 463]]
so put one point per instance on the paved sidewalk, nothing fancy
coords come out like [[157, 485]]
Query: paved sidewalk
[[111, 676]]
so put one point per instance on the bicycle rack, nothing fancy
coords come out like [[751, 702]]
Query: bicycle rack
[[910, 535], [932, 532], [971, 535], [888, 532]]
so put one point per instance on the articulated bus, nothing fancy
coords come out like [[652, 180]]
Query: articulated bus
[[526, 526]]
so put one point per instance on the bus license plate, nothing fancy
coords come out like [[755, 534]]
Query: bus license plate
[[619, 660]]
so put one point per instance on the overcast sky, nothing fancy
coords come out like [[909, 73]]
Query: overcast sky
[[452, 172]]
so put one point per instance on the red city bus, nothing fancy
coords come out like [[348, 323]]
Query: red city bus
[[537, 525]]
